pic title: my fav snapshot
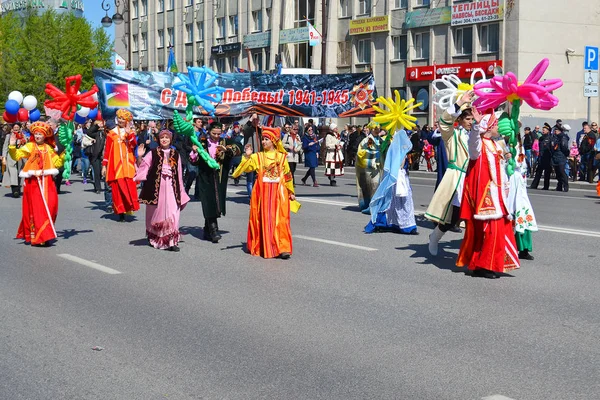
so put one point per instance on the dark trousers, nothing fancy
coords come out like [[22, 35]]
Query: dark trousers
[[97, 169], [561, 177], [192, 175], [546, 168], [586, 167], [453, 222], [58, 180], [311, 173], [293, 171]]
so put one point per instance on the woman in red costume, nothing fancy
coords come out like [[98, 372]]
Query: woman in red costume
[[40, 200], [118, 165], [269, 232], [489, 246]]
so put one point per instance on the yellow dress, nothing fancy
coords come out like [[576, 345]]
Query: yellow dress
[[269, 232]]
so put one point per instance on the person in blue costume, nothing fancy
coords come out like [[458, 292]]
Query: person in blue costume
[[392, 207]]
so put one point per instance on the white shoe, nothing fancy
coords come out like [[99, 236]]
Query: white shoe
[[434, 239]]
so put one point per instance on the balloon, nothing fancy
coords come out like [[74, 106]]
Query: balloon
[[23, 115], [34, 115], [16, 96], [83, 111], [9, 118], [79, 119], [93, 114], [99, 116], [69, 101], [29, 102], [12, 107]]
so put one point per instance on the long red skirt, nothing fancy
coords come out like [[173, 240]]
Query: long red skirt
[[489, 245], [124, 195], [40, 208]]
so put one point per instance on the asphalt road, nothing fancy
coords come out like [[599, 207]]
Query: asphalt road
[[349, 316]]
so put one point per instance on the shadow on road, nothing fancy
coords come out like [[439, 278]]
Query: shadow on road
[[69, 233]]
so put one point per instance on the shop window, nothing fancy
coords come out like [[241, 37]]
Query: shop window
[[221, 65], [421, 44], [399, 47], [233, 63], [422, 97], [463, 41], [363, 51], [489, 38], [257, 61]]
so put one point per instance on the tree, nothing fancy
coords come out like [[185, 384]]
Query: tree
[[40, 48]]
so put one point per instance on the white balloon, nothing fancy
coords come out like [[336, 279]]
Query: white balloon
[[83, 112], [29, 102], [16, 95]]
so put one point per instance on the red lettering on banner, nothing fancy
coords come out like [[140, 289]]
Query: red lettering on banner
[[165, 96], [180, 100]]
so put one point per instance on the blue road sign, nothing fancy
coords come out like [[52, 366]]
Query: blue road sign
[[591, 58]]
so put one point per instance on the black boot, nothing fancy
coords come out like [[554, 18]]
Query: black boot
[[16, 191], [214, 232], [524, 255]]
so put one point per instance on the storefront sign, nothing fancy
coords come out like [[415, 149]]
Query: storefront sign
[[296, 35], [370, 25], [257, 40], [427, 17], [57, 5], [476, 12], [463, 71], [226, 48]]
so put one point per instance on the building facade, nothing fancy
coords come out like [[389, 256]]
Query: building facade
[[59, 6], [405, 43]]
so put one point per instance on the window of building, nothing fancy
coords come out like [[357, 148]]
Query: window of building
[[189, 33], [171, 4], [421, 44], [257, 61], [190, 2], [267, 59], [220, 28], [463, 41], [364, 7], [489, 38], [160, 5], [144, 10], [221, 67], [171, 35], [422, 3], [161, 67], [233, 25], [144, 41], [363, 51], [304, 11], [267, 19], [344, 57], [134, 38], [134, 9], [399, 47], [234, 63], [200, 29], [160, 38], [399, 4], [344, 8], [303, 55], [257, 21]]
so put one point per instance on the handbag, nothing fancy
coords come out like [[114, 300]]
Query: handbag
[[86, 141]]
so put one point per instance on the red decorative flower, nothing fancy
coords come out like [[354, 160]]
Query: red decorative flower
[[67, 101], [520, 220], [529, 217]]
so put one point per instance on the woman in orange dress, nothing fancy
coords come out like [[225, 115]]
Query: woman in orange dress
[[40, 200], [118, 165], [269, 231]]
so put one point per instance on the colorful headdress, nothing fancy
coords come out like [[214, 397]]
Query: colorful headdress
[[124, 114], [165, 132], [488, 122], [274, 135], [45, 129]]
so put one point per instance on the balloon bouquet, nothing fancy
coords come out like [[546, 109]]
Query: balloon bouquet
[[202, 92], [21, 109], [74, 106]]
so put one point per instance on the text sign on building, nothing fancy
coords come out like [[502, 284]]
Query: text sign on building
[[370, 25], [429, 72], [477, 12], [591, 58], [427, 17], [226, 48], [257, 40], [19, 5], [296, 35]]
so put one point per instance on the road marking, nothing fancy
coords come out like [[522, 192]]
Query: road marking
[[352, 246], [568, 231], [90, 264], [496, 397]]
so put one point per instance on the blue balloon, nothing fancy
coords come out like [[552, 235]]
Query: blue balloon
[[93, 114], [34, 115], [12, 107], [79, 119]]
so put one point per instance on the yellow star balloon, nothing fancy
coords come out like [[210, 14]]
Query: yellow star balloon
[[397, 115]]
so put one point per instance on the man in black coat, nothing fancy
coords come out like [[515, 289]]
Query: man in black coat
[[544, 159], [527, 145], [95, 151], [559, 145]]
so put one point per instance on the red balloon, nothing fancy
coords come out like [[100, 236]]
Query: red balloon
[[23, 115], [9, 118], [99, 116]]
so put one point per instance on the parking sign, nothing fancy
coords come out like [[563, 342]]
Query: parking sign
[[591, 58]]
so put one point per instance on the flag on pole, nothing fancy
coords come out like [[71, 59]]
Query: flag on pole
[[171, 63]]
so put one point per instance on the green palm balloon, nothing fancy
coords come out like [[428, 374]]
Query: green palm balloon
[[183, 127]]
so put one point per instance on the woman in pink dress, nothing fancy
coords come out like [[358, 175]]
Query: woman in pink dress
[[163, 193]]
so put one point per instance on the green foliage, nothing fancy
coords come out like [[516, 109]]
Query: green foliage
[[48, 47]]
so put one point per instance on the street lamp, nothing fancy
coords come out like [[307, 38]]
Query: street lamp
[[117, 17]]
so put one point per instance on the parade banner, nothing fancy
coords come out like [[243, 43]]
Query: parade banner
[[150, 95], [477, 12]]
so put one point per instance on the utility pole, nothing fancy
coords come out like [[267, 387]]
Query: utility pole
[[323, 36]]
